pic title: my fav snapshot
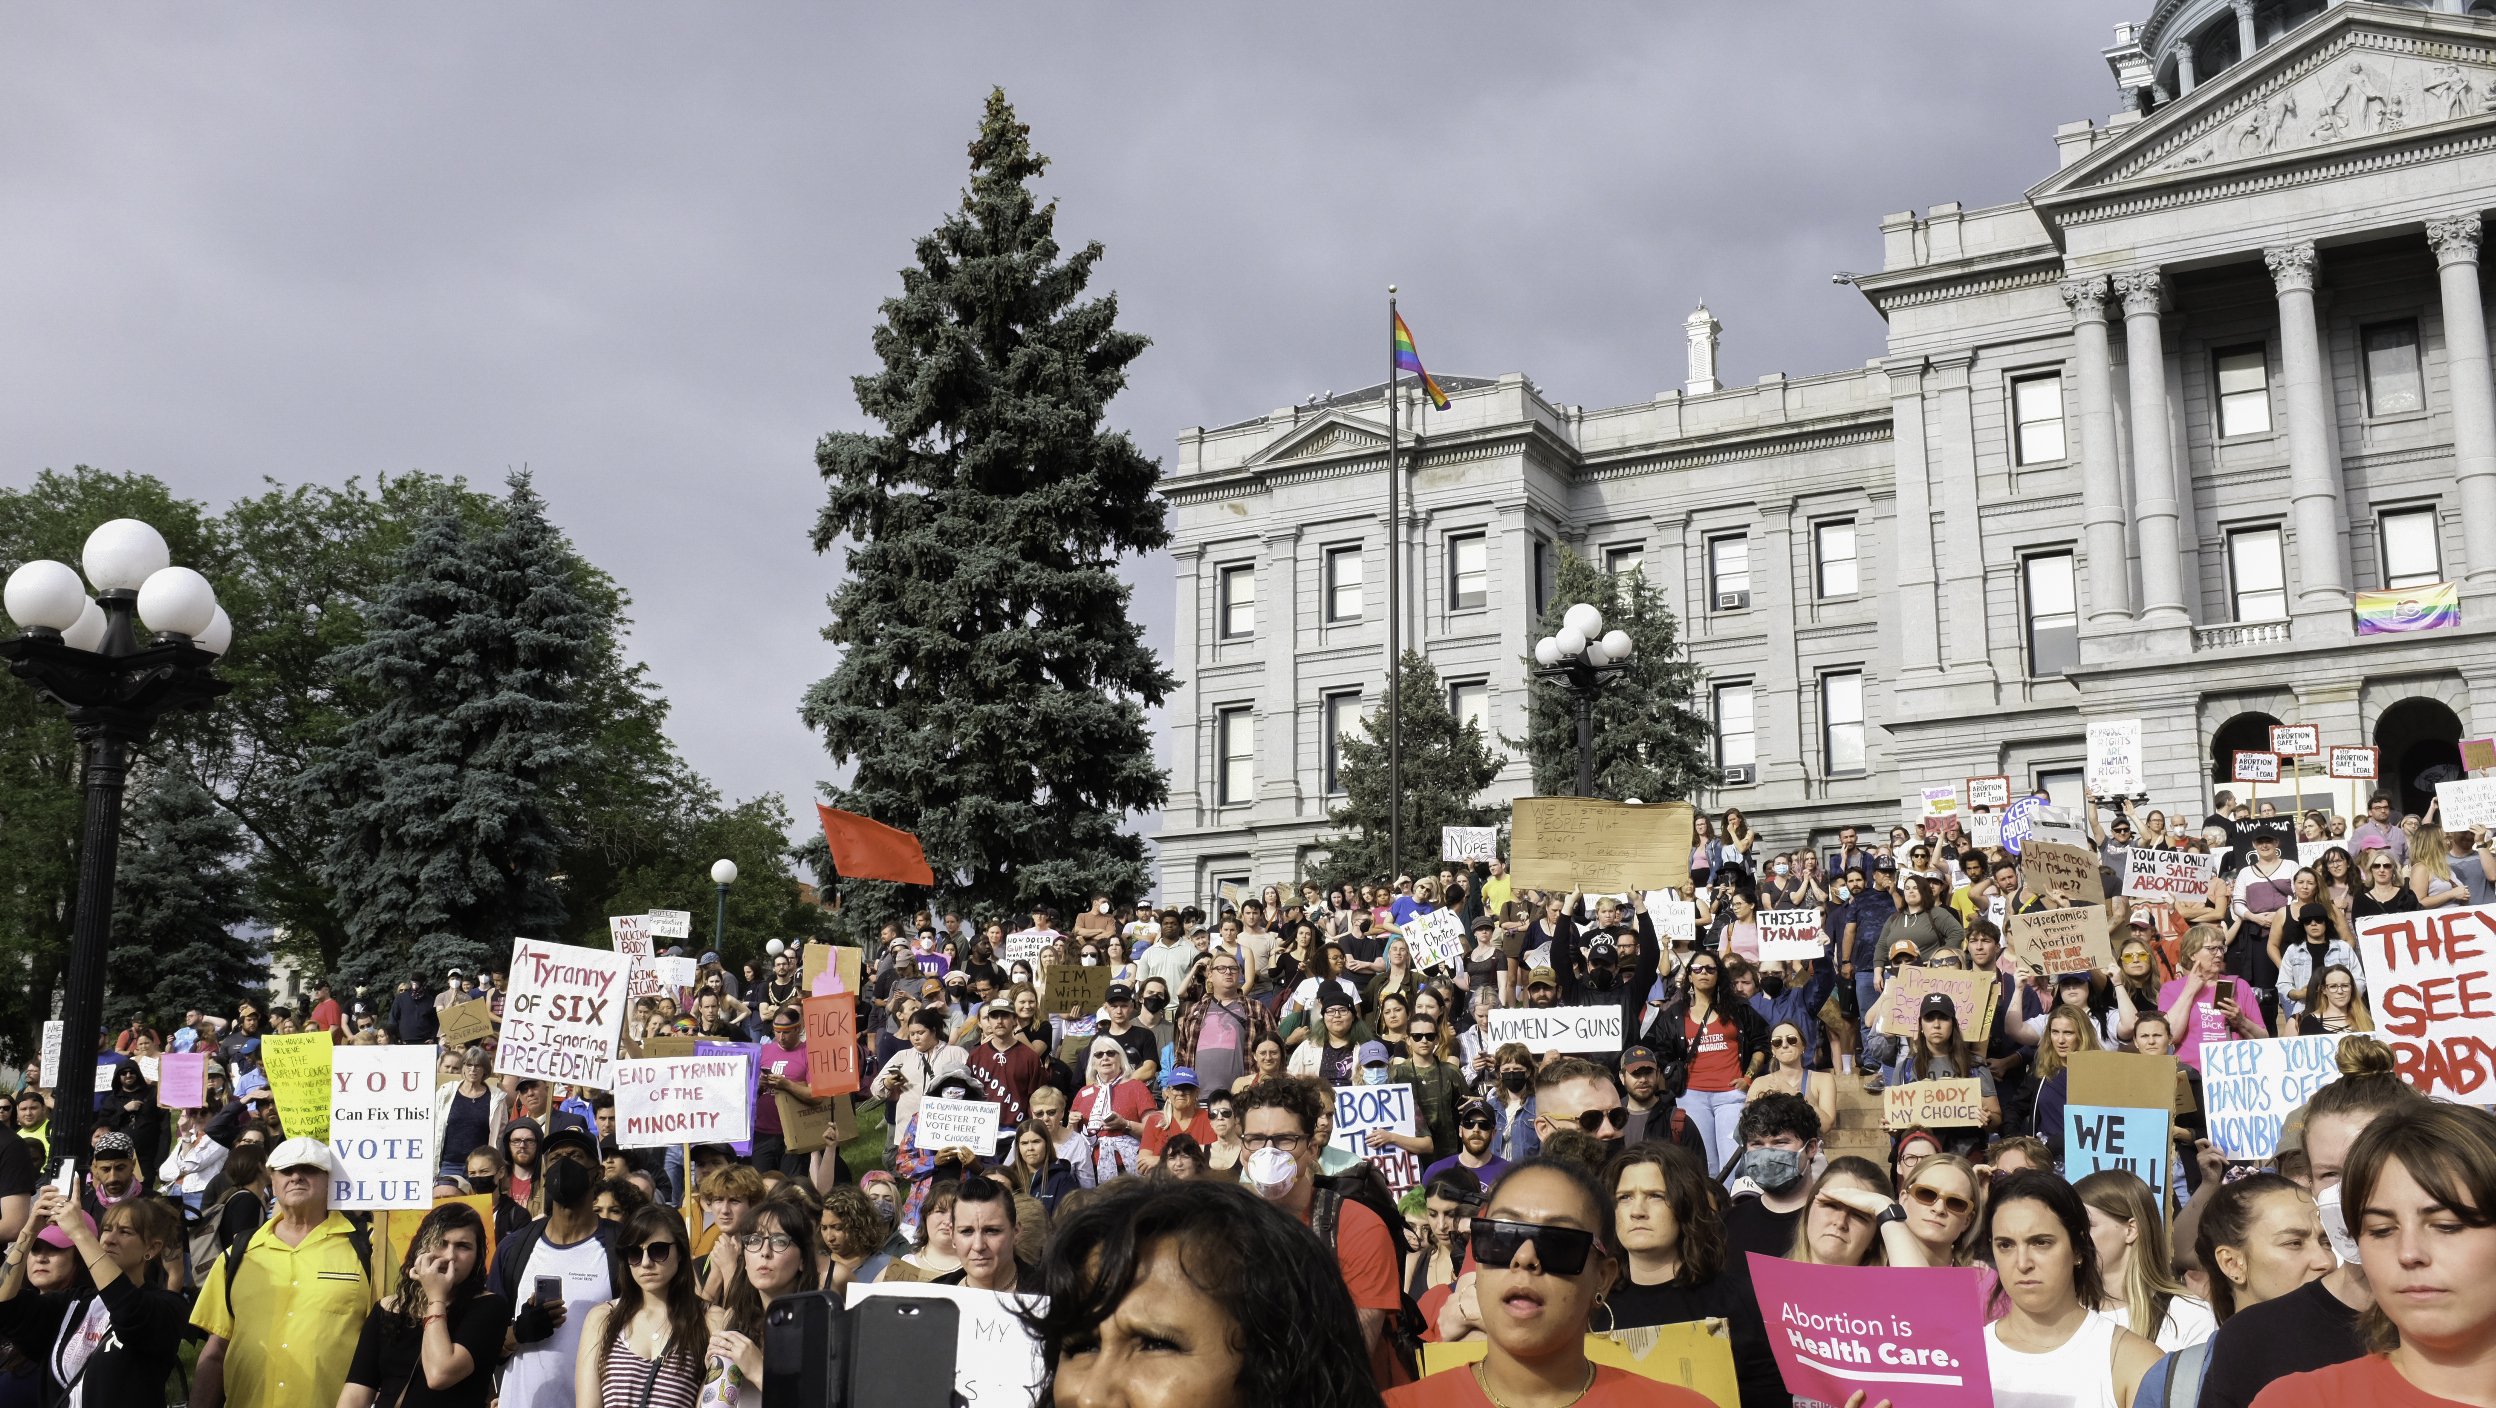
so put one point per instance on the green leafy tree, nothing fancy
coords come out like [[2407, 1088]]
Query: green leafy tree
[[992, 686], [1447, 764], [178, 908], [1650, 743], [766, 902]]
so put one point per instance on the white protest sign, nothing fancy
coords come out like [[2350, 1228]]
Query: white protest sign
[[1994, 791], [1985, 831], [1361, 1110], [2296, 740], [2431, 979], [1675, 918], [104, 1072], [2113, 768], [958, 1124], [2355, 764], [1437, 940], [2253, 766], [2250, 1088], [1027, 945], [2161, 876], [630, 933], [1545, 1030], [51, 1072], [996, 1362], [564, 1019], [677, 972], [1787, 934], [670, 923], [672, 1100], [381, 1126], [2466, 802], [1469, 843]]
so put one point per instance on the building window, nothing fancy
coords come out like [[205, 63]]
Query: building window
[[1737, 743], [1841, 722], [1235, 744], [1343, 714], [1833, 545], [1546, 567], [1239, 602], [2393, 386], [2066, 788], [2411, 555], [2256, 583], [1620, 562], [1729, 572], [1343, 584], [2037, 418], [2244, 392], [1468, 572], [1470, 702], [2053, 614]]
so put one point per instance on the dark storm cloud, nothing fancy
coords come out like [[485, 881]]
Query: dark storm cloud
[[639, 248]]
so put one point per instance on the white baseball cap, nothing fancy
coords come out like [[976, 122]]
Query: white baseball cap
[[300, 1152]]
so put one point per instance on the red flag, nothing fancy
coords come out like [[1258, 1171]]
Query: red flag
[[870, 850]]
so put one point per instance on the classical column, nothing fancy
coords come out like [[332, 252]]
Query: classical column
[[1919, 612], [2185, 79], [2153, 469], [2108, 553], [2245, 42], [2321, 581], [2456, 241]]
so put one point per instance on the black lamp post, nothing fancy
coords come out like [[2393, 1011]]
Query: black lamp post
[[145, 645], [1583, 656]]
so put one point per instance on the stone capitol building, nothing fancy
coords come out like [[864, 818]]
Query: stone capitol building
[[2137, 439]]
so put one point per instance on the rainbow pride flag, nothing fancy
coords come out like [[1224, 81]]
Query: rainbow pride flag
[[1408, 360], [2429, 608]]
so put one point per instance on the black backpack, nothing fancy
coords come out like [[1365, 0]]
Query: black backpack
[[1365, 1185]]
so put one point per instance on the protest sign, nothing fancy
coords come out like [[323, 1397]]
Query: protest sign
[[996, 1361], [2122, 1078], [104, 1071], [183, 1083], [2249, 1088], [832, 1045], [1466, 844], [2252, 766], [298, 1068], [1692, 1354], [2466, 802], [1675, 918], [630, 935], [751, 1053], [2428, 979], [804, 1128], [2138, 1141], [2296, 740], [2060, 941], [1837, 1329], [675, 1100], [467, 1023], [825, 969], [1026, 945], [2160, 876], [2113, 768], [2019, 819], [670, 923], [1934, 1104], [2355, 764], [1985, 832], [1361, 1110], [564, 1019], [1786, 934], [1992, 792], [1546, 1030], [958, 1124], [50, 1070], [1076, 989], [381, 1126], [675, 973], [1935, 809], [2049, 867], [2478, 754], [1437, 940], [1593, 846], [1970, 993]]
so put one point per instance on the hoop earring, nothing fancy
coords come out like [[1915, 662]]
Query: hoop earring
[[1611, 1320]]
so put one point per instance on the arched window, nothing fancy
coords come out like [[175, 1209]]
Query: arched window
[[2420, 740], [2245, 733]]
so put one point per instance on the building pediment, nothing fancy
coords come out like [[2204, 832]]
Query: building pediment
[[1330, 434]]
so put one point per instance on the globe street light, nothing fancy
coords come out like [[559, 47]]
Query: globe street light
[[1583, 655], [86, 655], [723, 874]]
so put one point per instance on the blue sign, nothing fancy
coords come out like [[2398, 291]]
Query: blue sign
[[2140, 1142], [2018, 819]]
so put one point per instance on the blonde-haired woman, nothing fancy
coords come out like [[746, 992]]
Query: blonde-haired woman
[[2431, 876], [2068, 1032], [2134, 1263], [1944, 1201]]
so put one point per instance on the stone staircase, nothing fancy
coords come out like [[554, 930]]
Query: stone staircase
[[1858, 1122]]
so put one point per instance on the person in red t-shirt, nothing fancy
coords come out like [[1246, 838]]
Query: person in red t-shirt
[[1279, 1152], [325, 1013], [1179, 1114]]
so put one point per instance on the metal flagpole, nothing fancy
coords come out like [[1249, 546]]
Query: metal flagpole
[[1395, 624]]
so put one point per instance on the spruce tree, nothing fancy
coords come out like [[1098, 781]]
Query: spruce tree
[[446, 792], [1447, 764], [177, 906], [1650, 741], [992, 687]]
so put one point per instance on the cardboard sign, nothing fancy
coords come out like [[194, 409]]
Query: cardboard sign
[[996, 1362], [1361, 1110], [670, 923], [2296, 740], [1992, 792], [838, 962], [2355, 764], [666, 1101], [1467, 844], [51, 1067], [2466, 802], [1934, 1104], [298, 1067], [2113, 768], [832, 1045], [381, 1126], [2256, 767], [183, 1083], [2250, 1088], [1985, 832], [804, 1128], [1788, 934], [2048, 867], [2124, 1078], [2059, 941], [1545, 1030], [1971, 993], [958, 1124], [1597, 847], [1074, 989], [467, 1023], [2140, 1142], [2428, 978], [1910, 1334], [1675, 918], [564, 1020], [2478, 754], [1437, 940], [2159, 876]]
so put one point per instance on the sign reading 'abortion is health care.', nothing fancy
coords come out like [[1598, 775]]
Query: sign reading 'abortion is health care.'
[[2431, 977], [1906, 1334]]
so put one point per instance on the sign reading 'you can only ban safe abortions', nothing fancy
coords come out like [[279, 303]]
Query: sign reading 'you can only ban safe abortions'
[[565, 1015], [2431, 978], [1545, 1030], [1907, 1334]]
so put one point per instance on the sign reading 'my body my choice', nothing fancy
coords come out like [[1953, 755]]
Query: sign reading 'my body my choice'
[[565, 1016]]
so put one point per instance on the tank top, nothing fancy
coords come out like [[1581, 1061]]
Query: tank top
[[2079, 1373], [635, 1382]]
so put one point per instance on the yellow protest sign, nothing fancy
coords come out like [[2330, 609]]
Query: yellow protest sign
[[297, 1065]]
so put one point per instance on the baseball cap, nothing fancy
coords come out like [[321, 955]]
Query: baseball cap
[[300, 1152], [710, 955], [1903, 948], [1484, 922], [1119, 992], [568, 1133], [1885, 863], [1600, 949], [999, 1006], [58, 1236], [1636, 1057], [1333, 996], [1372, 1053], [1183, 1075], [1542, 977], [1937, 1004]]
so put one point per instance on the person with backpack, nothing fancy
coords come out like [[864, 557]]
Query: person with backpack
[[1279, 1151], [283, 1308], [236, 1203]]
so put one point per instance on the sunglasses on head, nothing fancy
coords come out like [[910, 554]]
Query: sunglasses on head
[[1559, 1251], [654, 1253], [1951, 1203]]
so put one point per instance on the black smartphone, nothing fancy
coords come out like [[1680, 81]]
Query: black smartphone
[[549, 1290], [901, 1352]]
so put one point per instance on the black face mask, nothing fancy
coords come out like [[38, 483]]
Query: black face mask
[[1515, 1081], [1601, 979], [1772, 983], [569, 1182], [1154, 1002]]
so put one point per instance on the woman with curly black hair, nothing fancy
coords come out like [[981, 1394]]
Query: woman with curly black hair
[[436, 1340], [1196, 1293]]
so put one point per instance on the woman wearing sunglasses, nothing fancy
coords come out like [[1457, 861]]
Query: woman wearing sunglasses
[[1786, 1074], [1942, 1200], [646, 1345], [2050, 1346], [1721, 1042]]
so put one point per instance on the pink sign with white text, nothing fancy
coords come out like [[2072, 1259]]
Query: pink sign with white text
[[1908, 1334]]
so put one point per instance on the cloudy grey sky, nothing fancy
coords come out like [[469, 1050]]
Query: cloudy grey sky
[[639, 247]]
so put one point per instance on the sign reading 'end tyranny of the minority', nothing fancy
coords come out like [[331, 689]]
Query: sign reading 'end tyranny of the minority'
[[681, 1100]]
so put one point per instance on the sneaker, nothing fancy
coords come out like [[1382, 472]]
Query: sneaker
[[1872, 1083]]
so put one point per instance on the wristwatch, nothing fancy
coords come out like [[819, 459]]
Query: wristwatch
[[1890, 1214]]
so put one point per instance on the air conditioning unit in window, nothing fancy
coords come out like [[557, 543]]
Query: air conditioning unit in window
[[1741, 775], [1733, 601]]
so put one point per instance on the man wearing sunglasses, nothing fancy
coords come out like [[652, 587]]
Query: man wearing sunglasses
[[1574, 1093], [1476, 1125]]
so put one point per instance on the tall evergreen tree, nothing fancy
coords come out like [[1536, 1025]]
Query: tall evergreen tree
[[1651, 743], [177, 907], [447, 791], [992, 686], [1447, 764]]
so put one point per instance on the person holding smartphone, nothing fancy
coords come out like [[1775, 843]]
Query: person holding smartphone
[[556, 1268]]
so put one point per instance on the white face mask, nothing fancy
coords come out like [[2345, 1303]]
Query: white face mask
[[1271, 1172], [2336, 1224]]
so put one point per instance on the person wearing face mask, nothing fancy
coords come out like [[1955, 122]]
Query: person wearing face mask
[[1780, 1138], [2316, 1325], [568, 1252], [1280, 1143]]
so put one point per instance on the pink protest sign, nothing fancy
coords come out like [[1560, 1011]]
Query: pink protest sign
[[182, 1080], [1910, 1334]]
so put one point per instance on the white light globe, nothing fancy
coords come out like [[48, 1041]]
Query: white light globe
[[122, 554], [1585, 620], [723, 872], [1617, 644], [88, 634], [1595, 655], [177, 601], [774, 948], [1572, 642], [45, 595], [219, 637], [1546, 652]]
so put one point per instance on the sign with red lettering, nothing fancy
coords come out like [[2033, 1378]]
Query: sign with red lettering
[[2355, 764], [832, 1045], [2431, 977], [1992, 791], [2257, 767], [2296, 740]]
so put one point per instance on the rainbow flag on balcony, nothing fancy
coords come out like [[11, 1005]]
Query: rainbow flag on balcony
[[2432, 607]]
